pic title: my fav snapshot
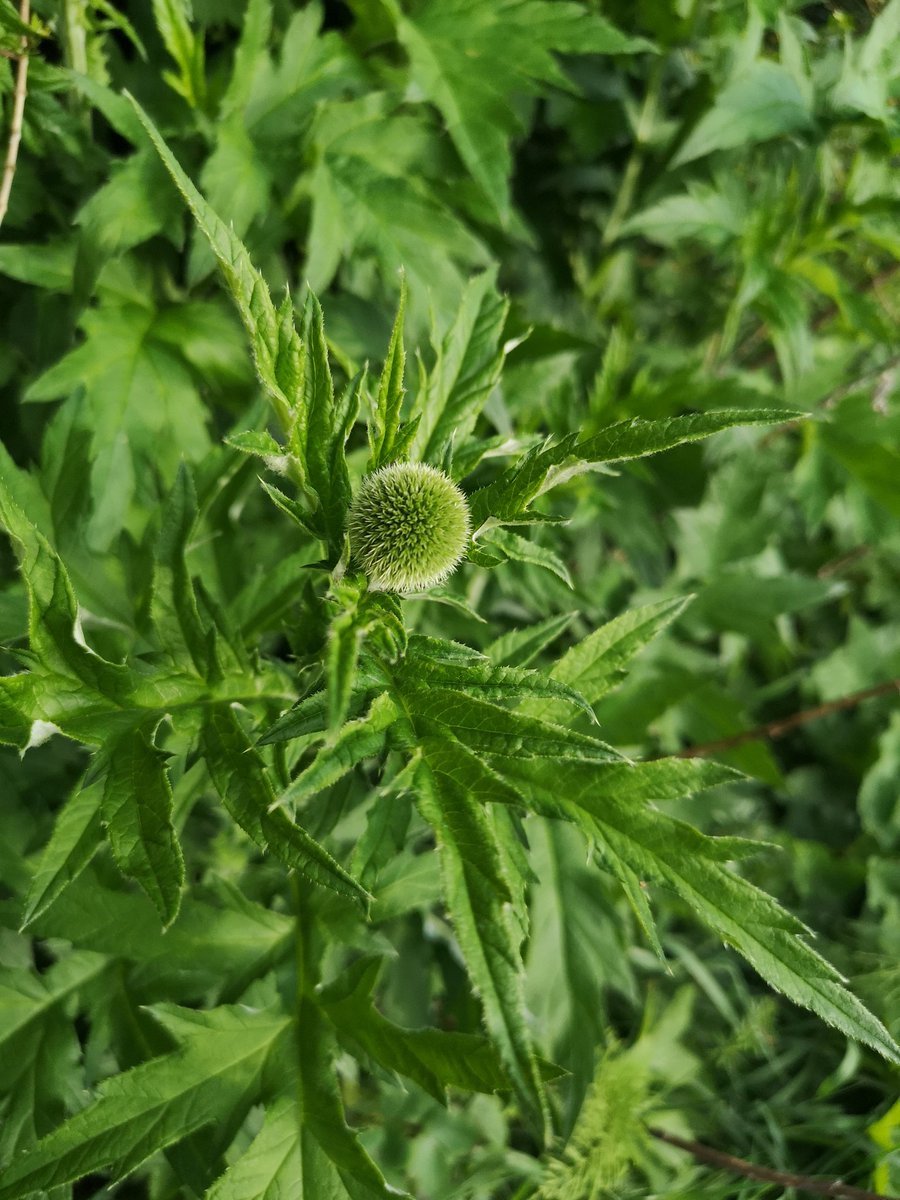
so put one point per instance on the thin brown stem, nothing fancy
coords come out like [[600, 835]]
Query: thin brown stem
[[776, 729], [18, 112], [837, 565], [835, 1188]]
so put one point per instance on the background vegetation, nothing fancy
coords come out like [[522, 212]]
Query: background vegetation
[[670, 207]]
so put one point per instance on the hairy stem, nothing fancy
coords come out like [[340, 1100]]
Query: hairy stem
[[76, 36], [740, 1166], [18, 112], [776, 729]]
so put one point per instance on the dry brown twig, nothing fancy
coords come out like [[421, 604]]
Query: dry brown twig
[[776, 729], [18, 112], [835, 1188]]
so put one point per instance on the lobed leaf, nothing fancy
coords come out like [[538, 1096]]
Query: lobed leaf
[[476, 673], [597, 664], [502, 545], [487, 728], [136, 810], [241, 779], [277, 350], [479, 897], [320, 431], [76, 837], [432, 1058], [450, 44], [174, 605], [384, 426], [506, 499], [607, 802], [216, 1071], [353, 742], [469, 361]]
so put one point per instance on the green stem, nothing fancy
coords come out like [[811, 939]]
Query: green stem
[[76, 36], [526, 1189], [307, 945], [75, 46], [300, 939], [634, 166]]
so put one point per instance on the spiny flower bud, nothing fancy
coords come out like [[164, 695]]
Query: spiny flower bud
[[408, 526]]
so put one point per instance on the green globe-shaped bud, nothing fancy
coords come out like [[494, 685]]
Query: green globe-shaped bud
[[408, 526]]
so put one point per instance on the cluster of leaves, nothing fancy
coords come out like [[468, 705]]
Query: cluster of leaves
[[299, 840]]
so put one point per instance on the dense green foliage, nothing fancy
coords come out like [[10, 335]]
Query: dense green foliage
[[314, 890]]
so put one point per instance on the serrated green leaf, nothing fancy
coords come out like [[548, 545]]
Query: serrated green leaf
[[386, 824], [384, 425], [214, 948], [53, 623], [216, 1071], [298, 513], [432, 1058], [478, 674], [469, 360], [869, 68], [658, 848], [16, 711], [762, 102], [637, 438], [370, 198], [491, 729], [323, 1115], [286, 1160], [631, 783], [172, 19], [451, 42], [76, 837], [130, 208], [274, 341], [597, 664], [174, 606], [443, 595], [544, 467], [28, 1000], [137, 809], [309, 716], [242, 781], [277, 1163], [703, 213], [320, 431], [479, 900], [345, 638], [253, 441], [140, 398], [508, 546], [354, 741], [520, 647]]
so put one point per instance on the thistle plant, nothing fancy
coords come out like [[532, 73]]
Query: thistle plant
[[378, 779], [408, 526]]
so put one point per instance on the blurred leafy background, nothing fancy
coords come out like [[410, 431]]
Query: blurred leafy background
[[690, 205]]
